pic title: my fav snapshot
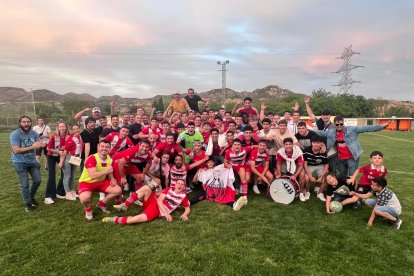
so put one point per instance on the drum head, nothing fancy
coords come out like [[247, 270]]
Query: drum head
[[283, 190]]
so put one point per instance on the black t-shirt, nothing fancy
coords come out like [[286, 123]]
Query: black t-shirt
[[341, 182], [314, 159], [91, 137], [193, 102], [108, 130], [134, 129], [305, 141]]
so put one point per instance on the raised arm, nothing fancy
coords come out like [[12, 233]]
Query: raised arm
[[78, 115], [309, 109]]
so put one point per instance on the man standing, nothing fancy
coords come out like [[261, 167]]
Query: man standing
[[24, 141], [193, 100], [90, 138], [96, 114], [114, 126], [178, 104], [44, 132], [346, 140], [248, 108]]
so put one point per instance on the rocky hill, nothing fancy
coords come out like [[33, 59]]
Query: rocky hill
[[17, 95]]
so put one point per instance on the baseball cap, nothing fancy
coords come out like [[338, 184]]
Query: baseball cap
[[191, 111], [158, 112], [96, 109]]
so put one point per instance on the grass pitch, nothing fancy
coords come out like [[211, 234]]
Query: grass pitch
[[263, 238]]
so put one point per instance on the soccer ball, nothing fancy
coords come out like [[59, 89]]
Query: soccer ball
[[335, 206]]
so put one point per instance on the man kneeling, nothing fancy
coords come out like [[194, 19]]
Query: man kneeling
[[97, 176], [154, 207]]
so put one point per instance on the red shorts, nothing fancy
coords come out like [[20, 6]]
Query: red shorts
[[260, 168], [151, 208], [94, 186], [128, 170], [238, 167]]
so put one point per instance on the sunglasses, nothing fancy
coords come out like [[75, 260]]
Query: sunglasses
[[339, 124]]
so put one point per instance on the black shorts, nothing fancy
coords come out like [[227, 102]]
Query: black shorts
[[363, 189], [39, 151]]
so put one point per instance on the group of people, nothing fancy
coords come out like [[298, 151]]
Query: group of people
[[157, 160]]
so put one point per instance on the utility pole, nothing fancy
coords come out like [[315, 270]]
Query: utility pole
[[345, 70], [223, 78], [34, 105]]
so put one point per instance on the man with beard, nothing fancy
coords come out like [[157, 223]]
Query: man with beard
[[97, 177], [179, 171], [114, 126], [24, 141]]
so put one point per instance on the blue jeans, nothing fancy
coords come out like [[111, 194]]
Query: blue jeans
[[347, 167], [371, 202], [68, 174], [51, 189], [22, 170]]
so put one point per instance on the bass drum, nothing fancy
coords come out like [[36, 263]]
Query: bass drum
[[283, 190]]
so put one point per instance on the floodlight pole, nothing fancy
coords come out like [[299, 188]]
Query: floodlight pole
[[223, 78]]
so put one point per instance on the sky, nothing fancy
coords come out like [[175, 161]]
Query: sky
[[141, 48]]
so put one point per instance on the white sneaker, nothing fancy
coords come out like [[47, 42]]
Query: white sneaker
[[321, 197], [307, 196], [316, 190], [256, 190], [48, 201], [302, 197], [126, 187], [89, 215], [70, 196], [239, 203], [101, 196], [60, 196], [74, 193]]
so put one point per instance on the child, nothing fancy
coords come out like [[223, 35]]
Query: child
[[154, 207], [338, 190], [369, 172], [386, 203]]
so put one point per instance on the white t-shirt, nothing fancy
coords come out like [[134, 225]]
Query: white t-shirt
[[44, 130]]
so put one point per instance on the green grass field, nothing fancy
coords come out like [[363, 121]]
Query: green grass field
[[264, 238]]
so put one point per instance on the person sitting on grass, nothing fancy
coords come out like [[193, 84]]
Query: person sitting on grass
[[386, 203], [154, 207], [338, 190], [316, 165], [97, 176], [259, 166], [369, 172], [217, 184], [289, 162], [235, 159]]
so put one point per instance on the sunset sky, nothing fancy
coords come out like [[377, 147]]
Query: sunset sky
[[143, 48]]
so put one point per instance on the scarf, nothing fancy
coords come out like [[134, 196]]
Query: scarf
[[290, 162]]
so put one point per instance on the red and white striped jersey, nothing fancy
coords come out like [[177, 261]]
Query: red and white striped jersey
[[259, 159], [173, 200], [132, 155], [178, 173], [117, 144], [237, 158]]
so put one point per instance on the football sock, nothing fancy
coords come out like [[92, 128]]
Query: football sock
[[121, 220], [244, 188], [131, 199]]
